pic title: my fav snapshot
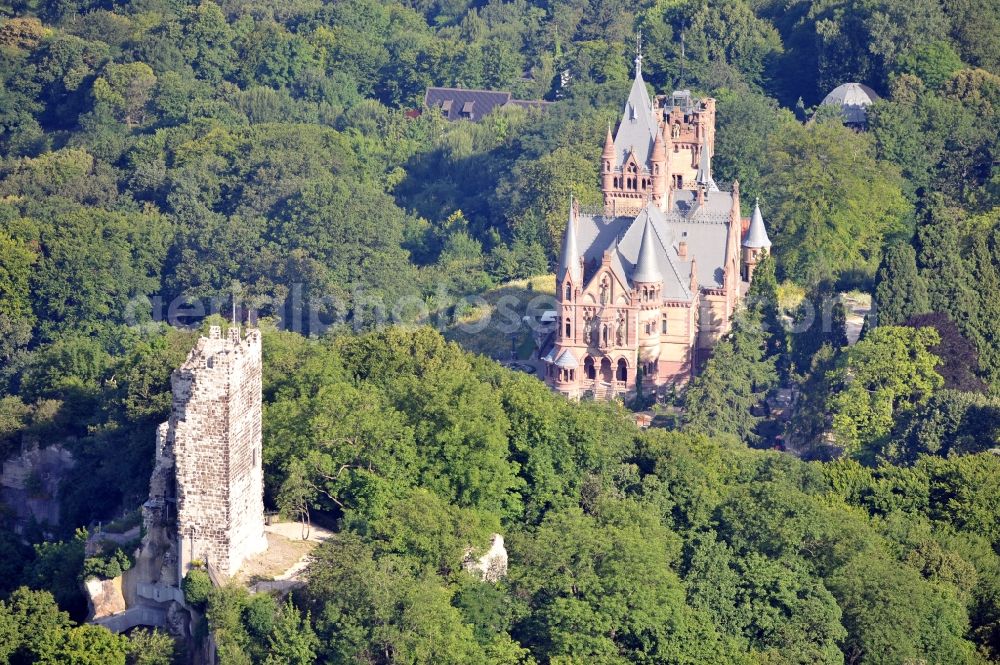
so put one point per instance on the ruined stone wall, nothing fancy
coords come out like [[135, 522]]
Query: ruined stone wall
[[246, 475], [214, 435]]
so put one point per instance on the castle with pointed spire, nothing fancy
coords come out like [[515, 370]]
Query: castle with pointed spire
[[647, 286]]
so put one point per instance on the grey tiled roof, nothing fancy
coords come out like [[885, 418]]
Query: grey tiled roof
[[704, 228], [462, 103], [853, 100]]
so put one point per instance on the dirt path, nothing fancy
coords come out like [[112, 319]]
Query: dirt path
[[287, 555]]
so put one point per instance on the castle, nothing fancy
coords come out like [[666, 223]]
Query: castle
[[208, 457], [647, 286]]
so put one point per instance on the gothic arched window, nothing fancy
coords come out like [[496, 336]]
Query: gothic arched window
[[568, 328]]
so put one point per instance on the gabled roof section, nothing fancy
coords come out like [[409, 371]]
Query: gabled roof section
[[703, 228], [468, 104], [459, 104], [637, 130]]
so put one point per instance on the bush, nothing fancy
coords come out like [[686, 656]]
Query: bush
[[197, 587], [106, 567]]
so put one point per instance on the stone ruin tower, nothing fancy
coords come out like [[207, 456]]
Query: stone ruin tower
[[209, 454]]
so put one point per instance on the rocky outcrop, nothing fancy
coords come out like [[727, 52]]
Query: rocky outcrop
[[104, 597], [492, 566], [30, 484]]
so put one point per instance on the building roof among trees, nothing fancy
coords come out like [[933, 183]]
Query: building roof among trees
[[468, 104], [853, 100]]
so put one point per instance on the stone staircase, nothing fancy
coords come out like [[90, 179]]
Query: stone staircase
[[603, 391]]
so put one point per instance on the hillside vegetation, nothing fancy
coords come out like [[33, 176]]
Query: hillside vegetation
[[167, 160]]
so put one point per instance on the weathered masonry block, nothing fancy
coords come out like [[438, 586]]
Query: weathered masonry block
[[213, 444]]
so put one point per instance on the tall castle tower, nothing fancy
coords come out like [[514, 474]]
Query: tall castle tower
[[213, 443], [658, 148]]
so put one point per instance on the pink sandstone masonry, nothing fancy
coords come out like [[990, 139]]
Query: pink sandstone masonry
[[213, 439]]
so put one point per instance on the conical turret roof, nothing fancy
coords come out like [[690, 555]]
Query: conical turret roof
[[757, 234], [659, 147], [609, 145], [569, 259], [646, 269]]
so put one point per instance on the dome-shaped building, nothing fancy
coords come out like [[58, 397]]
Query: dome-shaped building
[[853, 100]]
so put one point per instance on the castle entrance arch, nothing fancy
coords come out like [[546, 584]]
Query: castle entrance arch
[[588, 368], [606, 370]]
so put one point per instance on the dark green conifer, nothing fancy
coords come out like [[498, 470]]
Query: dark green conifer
[[900, 291]]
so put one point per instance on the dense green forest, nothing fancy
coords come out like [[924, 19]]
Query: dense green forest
[[163, 158]]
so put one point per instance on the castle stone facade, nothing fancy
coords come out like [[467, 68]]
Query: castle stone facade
[[209, 455], [647, 285]]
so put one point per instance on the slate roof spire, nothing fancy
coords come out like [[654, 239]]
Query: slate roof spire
[[569, 259], [757, 234], [637, 129], [646, 269]]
